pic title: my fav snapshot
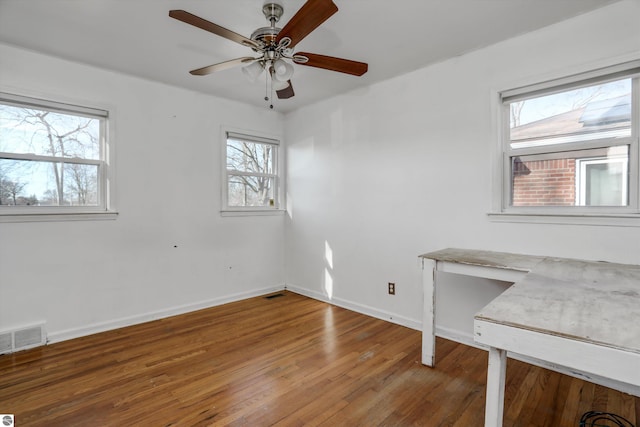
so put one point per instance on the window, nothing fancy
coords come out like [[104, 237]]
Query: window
[[52, 157], [252, 181], [570, 147]]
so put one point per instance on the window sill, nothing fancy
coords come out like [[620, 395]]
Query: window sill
[[611, 220], [59, 216], [251, 212]]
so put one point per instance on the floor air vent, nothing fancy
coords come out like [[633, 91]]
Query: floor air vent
[[274, 296], [22, 338]]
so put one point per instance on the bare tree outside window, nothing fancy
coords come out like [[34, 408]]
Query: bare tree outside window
[[251, 175], [10, 191], [48, 158]]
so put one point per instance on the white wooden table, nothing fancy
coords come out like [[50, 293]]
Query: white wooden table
[[580, 315], [490, 265]]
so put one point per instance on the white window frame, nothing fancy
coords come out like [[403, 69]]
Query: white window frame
[[104, 208], [581, 176], [596, 215], [277, 175]]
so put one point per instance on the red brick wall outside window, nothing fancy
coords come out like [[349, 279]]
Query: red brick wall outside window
[[544, 182]]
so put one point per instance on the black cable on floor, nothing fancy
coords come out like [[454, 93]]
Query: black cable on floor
[[594, 418]]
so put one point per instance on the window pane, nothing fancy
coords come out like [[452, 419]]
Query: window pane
[[594, 112], [251, 191], [32, 131], [37, 183], [250, 156], [602, 182], [597, 177], [80, 184]]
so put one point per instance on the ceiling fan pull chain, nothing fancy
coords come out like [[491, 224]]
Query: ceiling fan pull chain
[[271, 105]]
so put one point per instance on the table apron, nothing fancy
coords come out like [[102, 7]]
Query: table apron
[[587, 358], [488, 272]]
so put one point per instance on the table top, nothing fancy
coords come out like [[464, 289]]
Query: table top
[[503, 260], [590, 301], [594, 302]]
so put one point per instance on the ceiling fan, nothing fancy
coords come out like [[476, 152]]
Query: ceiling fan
[[273, 45]]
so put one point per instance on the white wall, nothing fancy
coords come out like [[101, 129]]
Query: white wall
[[375, 178], [404, 167], [85, 276]]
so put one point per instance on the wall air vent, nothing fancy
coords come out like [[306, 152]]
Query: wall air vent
[[22, 338]]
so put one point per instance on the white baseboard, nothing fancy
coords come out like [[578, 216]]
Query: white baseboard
[[462, 337], [359, 308], [155, 315]]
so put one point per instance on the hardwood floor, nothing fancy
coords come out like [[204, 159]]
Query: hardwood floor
[[285, 361]]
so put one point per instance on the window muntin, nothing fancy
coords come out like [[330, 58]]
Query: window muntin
[[252, 181], [574, 147], [52, 157]]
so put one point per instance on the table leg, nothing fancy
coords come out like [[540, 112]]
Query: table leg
[[429, 312], [496, 374]]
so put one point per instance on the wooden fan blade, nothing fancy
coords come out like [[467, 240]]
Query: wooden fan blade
[[331, 63], [308, 18], [221, 66], [286, 93], [196, 21]]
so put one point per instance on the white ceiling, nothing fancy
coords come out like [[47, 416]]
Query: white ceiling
[[394, 37]]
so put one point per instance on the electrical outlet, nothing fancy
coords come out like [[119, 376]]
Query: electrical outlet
[[392, 288]]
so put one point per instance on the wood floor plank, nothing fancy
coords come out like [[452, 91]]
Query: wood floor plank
[[286, 361]]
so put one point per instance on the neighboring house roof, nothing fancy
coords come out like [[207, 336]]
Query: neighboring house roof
[[607, 111], [597, 116]]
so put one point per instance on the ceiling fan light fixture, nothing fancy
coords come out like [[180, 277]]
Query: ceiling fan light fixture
[[253, 70], [283, 69]]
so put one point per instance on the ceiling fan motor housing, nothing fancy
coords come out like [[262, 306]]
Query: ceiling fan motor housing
[[266, 35], [272, 11]]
